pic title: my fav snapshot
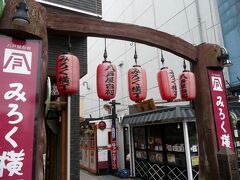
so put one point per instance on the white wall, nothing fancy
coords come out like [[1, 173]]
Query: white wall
[[102, 135], [176, 17]]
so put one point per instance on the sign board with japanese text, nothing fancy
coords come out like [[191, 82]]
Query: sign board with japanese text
[[18, 106], [146, 105], [220, 107], [114, 154]]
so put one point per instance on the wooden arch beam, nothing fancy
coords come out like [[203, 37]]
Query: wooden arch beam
[[85, 26]]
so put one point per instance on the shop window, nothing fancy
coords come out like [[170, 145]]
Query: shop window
[[140, 143], [161, 146], [174, 144], [155, 144], [139, 138], [193, 143]]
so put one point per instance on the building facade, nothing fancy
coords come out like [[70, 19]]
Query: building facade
[[229, 16], [194, 21]]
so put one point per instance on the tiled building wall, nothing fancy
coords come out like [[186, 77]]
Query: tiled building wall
[[187, 19]]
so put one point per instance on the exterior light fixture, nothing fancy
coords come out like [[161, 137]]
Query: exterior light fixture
[[224, 57], [21, 16], [227, 63]]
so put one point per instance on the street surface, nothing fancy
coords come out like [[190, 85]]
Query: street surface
[[84, 175]]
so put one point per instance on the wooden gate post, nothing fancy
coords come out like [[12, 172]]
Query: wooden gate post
[[208, 147]]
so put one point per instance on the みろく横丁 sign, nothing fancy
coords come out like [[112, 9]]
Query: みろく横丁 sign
[[18, 106], [221, 116]]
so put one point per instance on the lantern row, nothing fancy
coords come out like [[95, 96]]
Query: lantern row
[[67, 76], [137, 83]]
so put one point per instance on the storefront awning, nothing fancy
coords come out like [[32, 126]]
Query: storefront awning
[[161, 115]]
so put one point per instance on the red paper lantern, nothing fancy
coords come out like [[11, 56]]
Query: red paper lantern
[[167, 84], [106, 80], [187, 85], [137, 83], [67, 74]]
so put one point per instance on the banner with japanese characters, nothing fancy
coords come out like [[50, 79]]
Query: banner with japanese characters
[[18, 115], [221, 115]]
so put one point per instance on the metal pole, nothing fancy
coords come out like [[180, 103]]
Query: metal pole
[[114, 142], [114, 120], [99, 107], [187, 151]]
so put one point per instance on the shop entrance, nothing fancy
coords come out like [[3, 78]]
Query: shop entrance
[[159, 151]]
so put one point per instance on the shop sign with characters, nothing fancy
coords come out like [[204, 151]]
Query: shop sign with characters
[[19, 76], [221, 115]]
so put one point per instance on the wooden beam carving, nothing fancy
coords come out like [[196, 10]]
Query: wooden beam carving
[[84, 26]]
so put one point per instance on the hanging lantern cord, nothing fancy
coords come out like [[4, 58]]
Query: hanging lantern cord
[[69, 44], [135, 54], [162, 58], [105, 51], [184, 65]]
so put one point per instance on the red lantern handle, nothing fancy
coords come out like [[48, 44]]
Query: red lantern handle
[[105, 51], [135, 54]]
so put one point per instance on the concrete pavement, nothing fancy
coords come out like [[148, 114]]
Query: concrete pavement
[[84, 175]]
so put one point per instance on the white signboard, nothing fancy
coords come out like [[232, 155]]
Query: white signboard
[[102, 155]]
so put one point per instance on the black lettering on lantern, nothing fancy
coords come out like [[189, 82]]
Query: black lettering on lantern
[[63, 79], [109, 92], [109, 82], [173, 85], [183, 86], [110, 86], [136, 88]]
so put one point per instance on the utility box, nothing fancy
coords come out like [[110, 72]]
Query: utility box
[[227, 162]]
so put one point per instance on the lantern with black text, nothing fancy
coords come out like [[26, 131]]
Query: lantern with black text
[[137, 83], [187, 85], [167, 84], [106, 80], [67, 74]]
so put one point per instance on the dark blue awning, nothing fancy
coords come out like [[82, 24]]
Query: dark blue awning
[[161, 115]]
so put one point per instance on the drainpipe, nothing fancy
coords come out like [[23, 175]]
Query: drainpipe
[[200, 27]]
